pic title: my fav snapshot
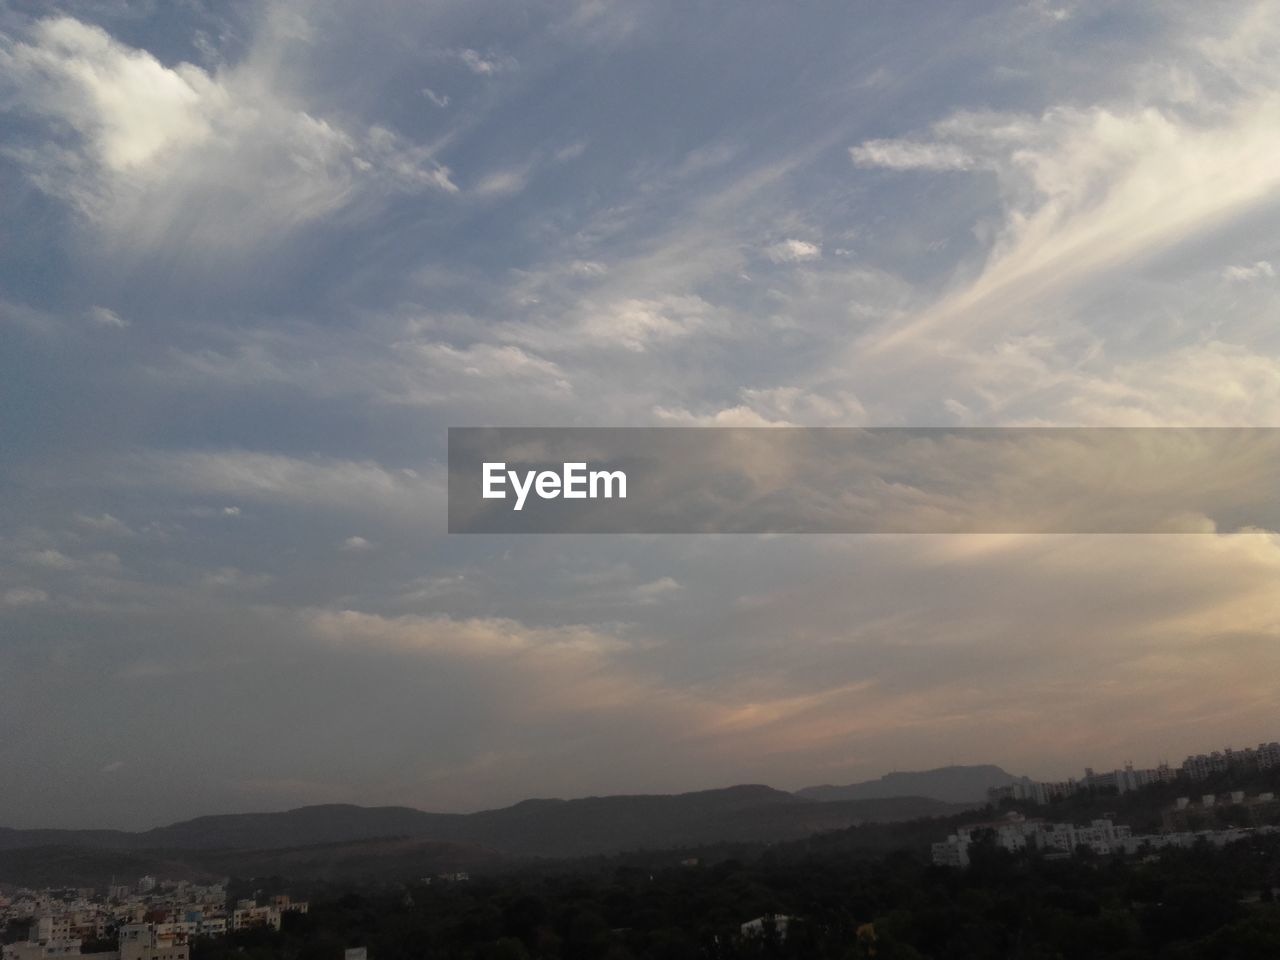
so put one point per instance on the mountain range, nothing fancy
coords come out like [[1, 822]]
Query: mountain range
[[950, 784], [326, 840]]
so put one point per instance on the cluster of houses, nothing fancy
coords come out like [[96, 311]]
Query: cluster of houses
[[150, 921], [1015, 832], [1194, 769]]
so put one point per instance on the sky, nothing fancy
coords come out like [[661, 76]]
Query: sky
[[256, 257]]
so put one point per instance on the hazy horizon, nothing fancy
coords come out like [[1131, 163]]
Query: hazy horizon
[[1052, 776], [256, 257]]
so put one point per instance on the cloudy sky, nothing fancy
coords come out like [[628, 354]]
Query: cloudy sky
[[256, 257]]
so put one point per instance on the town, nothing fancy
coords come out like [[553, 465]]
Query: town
[[1264, 757], [1184, 824], [150, 920]]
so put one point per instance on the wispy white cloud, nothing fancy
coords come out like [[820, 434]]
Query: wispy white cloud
[[501, 183], [225, 154], [638, 324], [233, 578], [1260, 270], [359, 486], [1090, 191], [484, 65], [106, 523], [105, 317], [439, 99], [23, 596], [793, 251], [655, 590], [911, 155]]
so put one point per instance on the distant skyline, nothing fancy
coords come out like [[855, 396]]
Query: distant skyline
[[256, 257]]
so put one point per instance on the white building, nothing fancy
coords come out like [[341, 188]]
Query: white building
[[247, 918], [951, 852], [142, 941], [760, 925]]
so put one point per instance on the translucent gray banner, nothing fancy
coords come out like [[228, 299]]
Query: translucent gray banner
[[850, 480]]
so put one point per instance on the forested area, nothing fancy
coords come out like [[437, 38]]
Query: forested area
[[1198, 903]]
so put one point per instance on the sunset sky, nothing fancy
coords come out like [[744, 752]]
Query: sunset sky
[[255, 258]]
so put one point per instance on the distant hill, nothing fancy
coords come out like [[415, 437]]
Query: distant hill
[[402, 859], [545, 828], [949, 784], [11, 839], [78, 866]]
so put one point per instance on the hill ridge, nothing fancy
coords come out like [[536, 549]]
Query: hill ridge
[[955, 783], [581, 826]]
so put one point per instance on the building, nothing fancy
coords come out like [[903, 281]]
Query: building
[[1202, 766], [48, 927], [951, 852], [212, 926], [1233, 809], [251, 917], [761, 926], [1015, 833], [1198, 767], [36, 950], [1102, 837], [285, 904], [144, 941]]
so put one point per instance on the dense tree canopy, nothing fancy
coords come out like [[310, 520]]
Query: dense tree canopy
[[1198, 903]]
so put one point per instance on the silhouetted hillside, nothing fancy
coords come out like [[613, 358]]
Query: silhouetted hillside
[[547, 828], [950, 784], [11, 839], [398, 859], [55, 866], [326, 823]]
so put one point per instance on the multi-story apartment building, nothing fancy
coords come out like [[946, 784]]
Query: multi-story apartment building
[[143, 941]]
